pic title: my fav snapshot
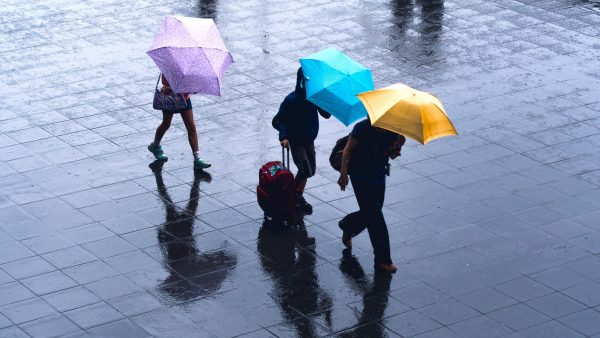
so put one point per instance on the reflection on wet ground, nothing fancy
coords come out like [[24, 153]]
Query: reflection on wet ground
[[182, 258], [495, 232], [375, 297], [416, 31], [288, 256], [207, 9], [430, 19]]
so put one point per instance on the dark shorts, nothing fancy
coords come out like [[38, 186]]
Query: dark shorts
[[304, 158], [188, 107]]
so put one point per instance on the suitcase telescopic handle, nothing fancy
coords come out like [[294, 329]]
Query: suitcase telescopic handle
[[283, 156]]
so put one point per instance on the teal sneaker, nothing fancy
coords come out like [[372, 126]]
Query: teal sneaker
[[157, 152], [200, 164]]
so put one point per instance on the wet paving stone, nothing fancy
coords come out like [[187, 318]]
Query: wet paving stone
[[411, 323], [556, 305], [4, 322], [125, 328], [27, 310], [49, 282], [47, 243], [70, 299], [585, 322], [93, 315], [13, 332], [27, 267], [68, 257], [56, 325], [518, 317], [14, 292], [476, 325], [495, 231]]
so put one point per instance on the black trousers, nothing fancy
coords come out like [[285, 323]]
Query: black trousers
[[370, 201]]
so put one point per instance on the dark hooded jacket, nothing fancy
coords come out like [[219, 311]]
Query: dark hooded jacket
[[297, 119]]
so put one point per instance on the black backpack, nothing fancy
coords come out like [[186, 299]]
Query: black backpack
[[335, 159]]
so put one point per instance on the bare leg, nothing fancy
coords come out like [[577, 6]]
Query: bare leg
[[190, 125], [300, 184], [163, 127]]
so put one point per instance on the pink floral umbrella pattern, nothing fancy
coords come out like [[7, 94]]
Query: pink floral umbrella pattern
[[191, 54]]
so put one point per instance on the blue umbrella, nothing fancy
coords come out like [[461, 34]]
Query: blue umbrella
[[332, 82]]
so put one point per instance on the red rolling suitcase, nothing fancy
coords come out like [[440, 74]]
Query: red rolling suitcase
[[276, 190]]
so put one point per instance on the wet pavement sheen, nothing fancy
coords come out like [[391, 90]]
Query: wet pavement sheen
[[495, 232]]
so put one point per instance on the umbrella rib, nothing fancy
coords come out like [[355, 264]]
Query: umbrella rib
[[422, 119], [211, 66], [370, 109]]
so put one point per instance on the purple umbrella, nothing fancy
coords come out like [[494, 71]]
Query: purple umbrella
[[191, 54]]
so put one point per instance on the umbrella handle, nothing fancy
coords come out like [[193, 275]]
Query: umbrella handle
[[157, 81]]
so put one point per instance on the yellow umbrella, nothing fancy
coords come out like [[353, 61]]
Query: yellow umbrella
[[407, 111]]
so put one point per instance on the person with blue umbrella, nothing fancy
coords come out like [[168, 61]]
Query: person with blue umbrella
[[298, 124]]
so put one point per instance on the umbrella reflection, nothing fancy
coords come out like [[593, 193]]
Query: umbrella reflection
[[375, 296], [288, 255], [192, 274]]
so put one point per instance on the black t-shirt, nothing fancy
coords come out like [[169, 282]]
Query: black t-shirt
[[369, 159]]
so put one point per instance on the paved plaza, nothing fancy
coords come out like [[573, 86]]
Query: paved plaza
[[495, 232]]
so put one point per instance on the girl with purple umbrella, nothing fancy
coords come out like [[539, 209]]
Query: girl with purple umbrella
[[191, 54], [187, 115]]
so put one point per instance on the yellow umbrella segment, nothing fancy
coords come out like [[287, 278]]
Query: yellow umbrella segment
[[407, 111]]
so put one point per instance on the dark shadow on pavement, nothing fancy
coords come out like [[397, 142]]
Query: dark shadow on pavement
[[288, 256], [181, 256]]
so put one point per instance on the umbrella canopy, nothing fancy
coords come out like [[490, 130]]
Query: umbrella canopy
[[332, 81], [404, 110], [191, 54]]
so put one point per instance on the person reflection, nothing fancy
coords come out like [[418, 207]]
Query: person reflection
[[432, 14], [288, 256], [375, 297], [207, 9], [191, 273], [402, 11], [430, 27]]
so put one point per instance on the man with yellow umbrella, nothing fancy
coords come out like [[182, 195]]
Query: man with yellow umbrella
[[393, 111]]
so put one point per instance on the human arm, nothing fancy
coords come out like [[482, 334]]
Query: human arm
[[350, 145], [279, 124]]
